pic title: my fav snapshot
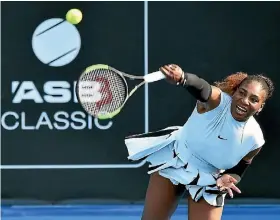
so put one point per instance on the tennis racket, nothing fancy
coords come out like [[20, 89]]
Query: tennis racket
[[102, 90]]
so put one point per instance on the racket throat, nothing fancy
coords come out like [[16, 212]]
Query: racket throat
[[134, 89]]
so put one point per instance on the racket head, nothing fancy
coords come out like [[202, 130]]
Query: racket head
[[102, 91]]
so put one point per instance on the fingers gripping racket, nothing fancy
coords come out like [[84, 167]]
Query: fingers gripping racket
[[103, 91]]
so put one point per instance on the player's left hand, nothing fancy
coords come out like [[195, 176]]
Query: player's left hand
[[227, 182]]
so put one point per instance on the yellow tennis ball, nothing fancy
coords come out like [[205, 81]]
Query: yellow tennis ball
[[74, 16]]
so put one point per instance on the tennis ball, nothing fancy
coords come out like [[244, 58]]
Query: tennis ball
[[74, 16]]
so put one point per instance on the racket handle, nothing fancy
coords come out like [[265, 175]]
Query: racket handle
[[155, 76]]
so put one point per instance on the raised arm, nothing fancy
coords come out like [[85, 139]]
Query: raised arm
[[209, 96]]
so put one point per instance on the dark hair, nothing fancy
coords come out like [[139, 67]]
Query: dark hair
[[233, 81]]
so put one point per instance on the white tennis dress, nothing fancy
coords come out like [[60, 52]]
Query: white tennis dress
[[196, 154]]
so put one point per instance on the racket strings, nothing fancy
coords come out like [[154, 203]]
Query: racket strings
[[102, 91], [114, 95]]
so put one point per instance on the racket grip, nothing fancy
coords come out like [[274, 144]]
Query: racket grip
[[155, 76]]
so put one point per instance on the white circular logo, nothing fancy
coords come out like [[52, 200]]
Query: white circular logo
[[56, 42]]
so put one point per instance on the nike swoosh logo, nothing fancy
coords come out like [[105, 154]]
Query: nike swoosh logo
[[221, 138]]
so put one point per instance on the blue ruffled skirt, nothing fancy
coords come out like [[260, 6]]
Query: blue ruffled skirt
[[177, 163]]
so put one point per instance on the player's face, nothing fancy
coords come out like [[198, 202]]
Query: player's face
[[247, 100]]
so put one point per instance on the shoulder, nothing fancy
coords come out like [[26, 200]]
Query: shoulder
[[256, 133], [219, 100], [225, 97]]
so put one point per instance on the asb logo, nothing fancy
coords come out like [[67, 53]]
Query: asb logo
[[56, 42]]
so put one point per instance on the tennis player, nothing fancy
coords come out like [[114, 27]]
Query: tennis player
[[210, 153]]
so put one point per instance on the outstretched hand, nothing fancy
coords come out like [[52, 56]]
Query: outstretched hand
[[227, 182], [174, 74]]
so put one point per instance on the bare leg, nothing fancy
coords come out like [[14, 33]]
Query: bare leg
[[203, 211], [161, 198]]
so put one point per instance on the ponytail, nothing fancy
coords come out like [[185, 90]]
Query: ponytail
[[230, 84]]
